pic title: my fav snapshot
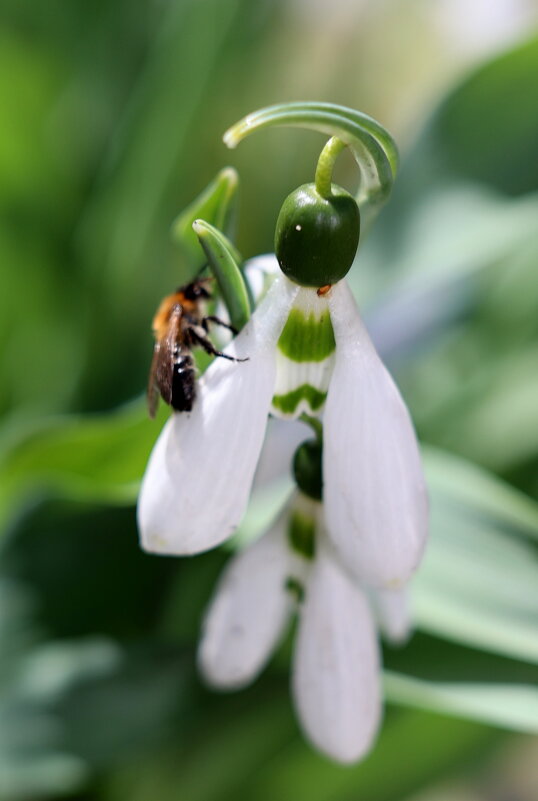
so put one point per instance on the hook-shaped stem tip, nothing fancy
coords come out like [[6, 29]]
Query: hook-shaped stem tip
[[325, 166]]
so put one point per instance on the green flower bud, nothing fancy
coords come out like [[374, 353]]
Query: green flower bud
[[317, 237], [307, 468]]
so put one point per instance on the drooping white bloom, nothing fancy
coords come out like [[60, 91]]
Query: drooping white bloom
[[250, 609], [336, 673], [307, 353]]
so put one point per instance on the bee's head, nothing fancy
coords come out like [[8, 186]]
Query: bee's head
[[196, 290]]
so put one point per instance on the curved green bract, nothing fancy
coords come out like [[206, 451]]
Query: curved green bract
[[372, 146], [224, 262], [216, 204]]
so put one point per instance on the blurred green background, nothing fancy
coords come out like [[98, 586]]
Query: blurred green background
[[112, 115]]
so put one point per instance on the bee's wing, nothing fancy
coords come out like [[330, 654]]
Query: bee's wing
[[162, 366], [153, 386]]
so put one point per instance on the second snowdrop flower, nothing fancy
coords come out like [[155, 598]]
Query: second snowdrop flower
[[336, 663]]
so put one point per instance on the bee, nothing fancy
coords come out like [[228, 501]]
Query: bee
[[178, 326]]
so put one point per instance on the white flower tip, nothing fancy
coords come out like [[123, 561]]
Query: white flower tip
[[154, 543], [394, 584], [393, 615], [388, 572], [397, 630], [398, 637], [336, 681], [226, 668], [348, 750]]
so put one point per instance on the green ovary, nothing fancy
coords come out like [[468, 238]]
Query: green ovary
[[302, 534]]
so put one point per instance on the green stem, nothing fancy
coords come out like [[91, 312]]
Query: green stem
[[373, 148], [326, 161], [315, 424]]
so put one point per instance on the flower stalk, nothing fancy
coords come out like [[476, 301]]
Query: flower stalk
[[325, 166]]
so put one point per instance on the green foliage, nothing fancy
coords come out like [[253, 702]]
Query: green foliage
[[216, 205], [99, 458], [494, 98]]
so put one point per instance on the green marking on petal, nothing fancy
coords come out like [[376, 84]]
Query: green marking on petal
[[296, 589], [288, 403], [307, 338], [302, 534]]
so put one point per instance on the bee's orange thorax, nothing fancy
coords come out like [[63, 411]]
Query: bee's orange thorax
[[162, 315]]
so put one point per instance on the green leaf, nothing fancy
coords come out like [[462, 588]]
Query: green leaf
[[372, 146], [57, 550], [256, 751], [484, 115], [479, 491], [510, 706], [237, 735], [74, 707], [217, 205], [493, 420], [97, 458], [224, 263], [418, 745], [478, 584], [494, 98]]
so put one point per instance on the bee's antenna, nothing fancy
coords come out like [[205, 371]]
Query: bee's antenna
[[201, 270]]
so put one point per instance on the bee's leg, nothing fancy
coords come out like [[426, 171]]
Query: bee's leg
[[213, 319], [198, 337]]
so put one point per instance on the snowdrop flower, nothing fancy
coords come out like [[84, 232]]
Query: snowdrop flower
[[336, 663], [308, 351]]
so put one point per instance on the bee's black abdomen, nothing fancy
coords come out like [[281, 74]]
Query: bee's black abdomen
[[183, 385]]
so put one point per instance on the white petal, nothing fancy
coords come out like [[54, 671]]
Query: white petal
[[375, 496], [336, 682], [282, 440], [391, 609], [197, 483], [249, 611], [260, 273]]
